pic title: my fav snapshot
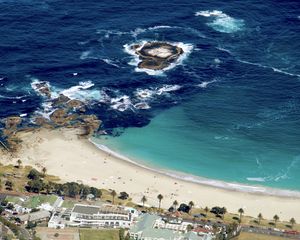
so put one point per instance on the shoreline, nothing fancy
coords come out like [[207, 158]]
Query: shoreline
[[230, 186], [74, 159]]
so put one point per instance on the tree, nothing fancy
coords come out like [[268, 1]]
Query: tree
[[113, 194], [9, 185], [276, 219], [44, 170], [241, 212], [206, 210], [224, 211], [19, 162], [175, 204], [144, 199], [96, 192], [34, 174], [36, 185], [292, 222], [159, 197], [191, 205], [84, 191], [259, 217]]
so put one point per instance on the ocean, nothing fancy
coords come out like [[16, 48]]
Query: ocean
[[227, 111]]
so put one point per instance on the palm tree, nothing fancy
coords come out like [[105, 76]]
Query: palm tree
[[241, 212], [206, 210], [175, 204], [113, 194], [44, 170], [224, 212], [19, 163], [276, 218], [292, 222], [159, 197], [144, 199], [260, 217], [191, 205]]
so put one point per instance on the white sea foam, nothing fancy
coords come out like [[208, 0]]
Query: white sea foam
[[121, 103], [186, 47], [110, 62], [142, 105], [206, 181], [35, 82], [23, 115], [145, 94], [273, 68], [206, 83], [222, 22], [256, 179], [82, 92], [167, 88]]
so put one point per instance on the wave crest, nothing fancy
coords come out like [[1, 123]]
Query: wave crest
[[222, 22]]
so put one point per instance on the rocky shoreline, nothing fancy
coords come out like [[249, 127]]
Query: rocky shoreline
[[157, 55], [68, 113]]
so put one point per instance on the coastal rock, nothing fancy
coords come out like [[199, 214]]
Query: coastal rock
[[62, 99], [60, 117], [12, 122], [43, 88], [90, 124], [157, 55], [77, 104]]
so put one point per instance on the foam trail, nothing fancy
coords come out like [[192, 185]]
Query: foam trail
[[110, 62], [268, 67], [205, 84]]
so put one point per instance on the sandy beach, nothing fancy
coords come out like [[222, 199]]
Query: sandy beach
[[74, 159]]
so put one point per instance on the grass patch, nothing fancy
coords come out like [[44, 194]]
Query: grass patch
[[35, 201], [91, 234], [68, 204], [252, 236]]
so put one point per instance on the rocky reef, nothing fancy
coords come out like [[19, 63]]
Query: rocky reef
[[68, 113], [157, 55]]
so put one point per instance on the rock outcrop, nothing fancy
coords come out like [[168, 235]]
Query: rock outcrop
[[157, 55]]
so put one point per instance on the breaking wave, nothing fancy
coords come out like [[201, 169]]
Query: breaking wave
[[222, 22], [187, 49]]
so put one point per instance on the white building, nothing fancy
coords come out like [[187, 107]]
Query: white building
[[104, 216], [176, 224]]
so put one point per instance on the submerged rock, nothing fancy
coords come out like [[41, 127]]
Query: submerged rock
[[43, 88], [12, 122], [157, 55]]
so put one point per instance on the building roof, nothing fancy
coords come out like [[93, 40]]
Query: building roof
[[145, 226], [92, 210], [34, 216]]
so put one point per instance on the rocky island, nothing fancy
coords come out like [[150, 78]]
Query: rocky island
[[156, 55]]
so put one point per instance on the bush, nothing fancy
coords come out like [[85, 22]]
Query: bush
[[34, 174]]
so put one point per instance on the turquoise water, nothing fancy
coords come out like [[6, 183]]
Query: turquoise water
[[183, 139]]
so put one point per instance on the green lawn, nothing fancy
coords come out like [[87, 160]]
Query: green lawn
[[68, 204], [91, 234], [35, 201], [253, 236], [13, 199]]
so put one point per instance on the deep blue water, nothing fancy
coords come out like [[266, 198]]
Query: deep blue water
[[229, 110]]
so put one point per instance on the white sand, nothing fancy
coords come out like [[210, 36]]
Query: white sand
[[73, 159]]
